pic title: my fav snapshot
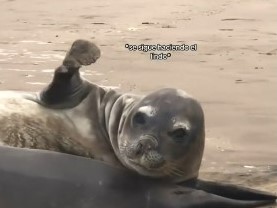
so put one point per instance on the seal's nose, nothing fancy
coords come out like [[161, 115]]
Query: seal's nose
[[146, 143]]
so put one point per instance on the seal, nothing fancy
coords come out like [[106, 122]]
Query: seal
[[159, 135], [51, 180]]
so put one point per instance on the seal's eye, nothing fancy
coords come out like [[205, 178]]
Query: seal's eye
[[178, 135], [139, 118]]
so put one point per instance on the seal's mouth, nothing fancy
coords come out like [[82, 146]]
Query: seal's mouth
[[142, 156], [149, 163], [138, 164], [146, 170]]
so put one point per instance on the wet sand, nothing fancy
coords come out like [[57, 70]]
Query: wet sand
[[232, 73]]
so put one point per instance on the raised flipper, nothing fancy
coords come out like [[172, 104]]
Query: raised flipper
[[37, 178], [67, 88]]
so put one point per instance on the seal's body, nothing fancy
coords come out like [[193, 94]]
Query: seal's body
[[25, 123], [159, 135], [46, 179]]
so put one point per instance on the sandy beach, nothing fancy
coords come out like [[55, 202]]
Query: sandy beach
[[232, 73]]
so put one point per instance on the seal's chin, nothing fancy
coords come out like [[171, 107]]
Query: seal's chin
[[143, 157], [142, 170], [140, 167]]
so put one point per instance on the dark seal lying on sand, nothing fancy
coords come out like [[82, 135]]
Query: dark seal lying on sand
[[44, 179]]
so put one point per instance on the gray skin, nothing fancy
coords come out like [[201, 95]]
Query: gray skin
[[46, 179], [160, 135]]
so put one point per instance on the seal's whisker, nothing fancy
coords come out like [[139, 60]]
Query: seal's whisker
[[165, 169], [177, 170], [175, 165], [172, 169], [172, 172], [178, 174]]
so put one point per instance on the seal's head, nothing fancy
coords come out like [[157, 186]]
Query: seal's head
[[163, 136]]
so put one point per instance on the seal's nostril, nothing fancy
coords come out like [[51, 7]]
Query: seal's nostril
[[149, 146], [139, 149], [148, 142]]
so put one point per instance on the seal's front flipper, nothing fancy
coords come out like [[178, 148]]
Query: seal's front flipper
[[230, 194], [186, 197], [233, 191], [67, 88]]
